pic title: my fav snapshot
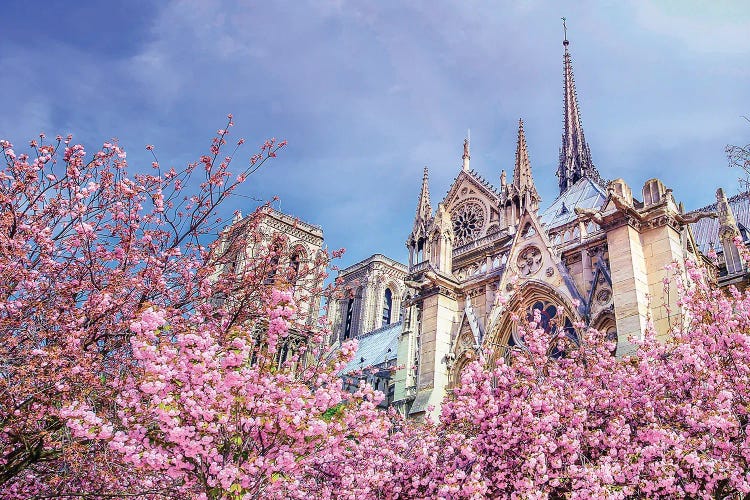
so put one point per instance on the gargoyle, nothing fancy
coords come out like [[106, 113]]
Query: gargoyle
[[428, 278], [589, 213], [691, 217]]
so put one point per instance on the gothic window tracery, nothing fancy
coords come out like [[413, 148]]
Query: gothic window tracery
[[468, 220], [556, 323], [529, 261]]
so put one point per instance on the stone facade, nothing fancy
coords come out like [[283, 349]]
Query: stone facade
[[596, 255], [297, 247], [370, 308], [371, 297]]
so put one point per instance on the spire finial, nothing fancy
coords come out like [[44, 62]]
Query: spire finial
[[565, 33], [466, 157]]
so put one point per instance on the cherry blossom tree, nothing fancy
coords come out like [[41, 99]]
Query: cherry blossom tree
[[86, 247], [136, 359], [670, 421]]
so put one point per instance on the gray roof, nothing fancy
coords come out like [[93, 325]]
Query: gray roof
[[376, 347], [421, 401], [706, 231], [584, 194]]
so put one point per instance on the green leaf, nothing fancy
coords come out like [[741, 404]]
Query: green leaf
[[333, 412]]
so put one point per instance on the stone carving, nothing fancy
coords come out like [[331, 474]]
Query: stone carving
[[589, 214], [468, 220], [691, 217], [529, 261], [603, 296]]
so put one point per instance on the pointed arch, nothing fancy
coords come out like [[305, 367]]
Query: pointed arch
[[557, 309], [606, 323]]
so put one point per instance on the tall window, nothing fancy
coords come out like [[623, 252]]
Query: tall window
[[349, 314], [273, 264], [732, 257], [294, 264], [294, 268], [554, 322], [387, 305]]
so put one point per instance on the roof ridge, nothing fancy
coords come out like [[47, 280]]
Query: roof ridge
[[737, 197]]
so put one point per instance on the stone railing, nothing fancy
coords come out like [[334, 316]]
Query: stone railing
[[421, 266], [478, 243]]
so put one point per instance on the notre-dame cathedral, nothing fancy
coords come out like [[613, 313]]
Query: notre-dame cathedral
[[596, 255]]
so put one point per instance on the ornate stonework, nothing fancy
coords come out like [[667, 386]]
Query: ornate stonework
[[529, 261], [372, 296], [468, 221], [488, 258]]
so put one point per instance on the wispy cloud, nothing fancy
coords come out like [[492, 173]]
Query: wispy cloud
[[369, 93]]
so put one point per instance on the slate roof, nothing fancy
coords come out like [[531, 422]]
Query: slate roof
[[706, 231], [584, 194], [376, 347]]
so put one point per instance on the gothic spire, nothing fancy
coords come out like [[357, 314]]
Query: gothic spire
[[728, 228], [417, 240], [523, 182], [424, 208], [575, 156], [522, 170]]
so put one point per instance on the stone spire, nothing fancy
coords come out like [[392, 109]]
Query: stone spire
[[466, 157], [575, 156], [424, 208], [727, 223], [522, 178], [521, 194], [417, 241]]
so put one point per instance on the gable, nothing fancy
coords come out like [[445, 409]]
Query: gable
[[531, 260], [473, 207]]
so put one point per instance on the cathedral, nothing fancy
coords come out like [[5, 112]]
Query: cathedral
[[485, 255]]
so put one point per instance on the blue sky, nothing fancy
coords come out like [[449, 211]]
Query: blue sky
[[367, 93]]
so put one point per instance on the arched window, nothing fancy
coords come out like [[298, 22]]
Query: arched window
[[387, 305], [273, 263], [555, 323], [294, 264], [349, 315], [294, 267]]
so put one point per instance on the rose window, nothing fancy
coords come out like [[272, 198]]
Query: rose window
[[468, 220]]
